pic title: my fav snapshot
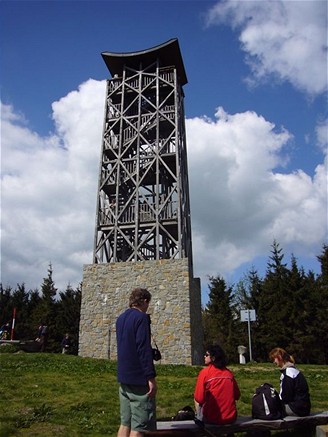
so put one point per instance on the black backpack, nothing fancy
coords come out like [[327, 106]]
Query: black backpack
[[266, 404], [186, 413]]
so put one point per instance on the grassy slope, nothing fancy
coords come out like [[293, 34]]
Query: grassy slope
[[63, 395]]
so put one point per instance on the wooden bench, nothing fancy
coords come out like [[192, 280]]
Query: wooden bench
[[188, 428]]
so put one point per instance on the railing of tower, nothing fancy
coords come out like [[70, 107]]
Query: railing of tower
[[128, 215], [114, 83], [168, 108], [106, 217], [114, 109], [147, 122], [166, 73], [111, 141], [107, 177]]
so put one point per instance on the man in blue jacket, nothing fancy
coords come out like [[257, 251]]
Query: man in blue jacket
[[135, 367]]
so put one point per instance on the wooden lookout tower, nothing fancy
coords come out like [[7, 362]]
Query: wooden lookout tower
[[143, 231], [143, 201]]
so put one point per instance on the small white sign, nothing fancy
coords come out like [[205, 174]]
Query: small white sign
[[247, 315]]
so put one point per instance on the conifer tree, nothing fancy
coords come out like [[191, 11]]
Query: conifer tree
[[300, 289], [33, 303], [254, 283], [220, 317], [322, 308], [5, 305], [248, 291], [68, 315], [45, 311], [273, 312], [19, 300], [323, 259]]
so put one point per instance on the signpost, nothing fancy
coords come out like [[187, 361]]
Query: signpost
[[248, 316], [13, 325]]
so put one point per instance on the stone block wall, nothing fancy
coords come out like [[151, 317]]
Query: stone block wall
[[175, 308]]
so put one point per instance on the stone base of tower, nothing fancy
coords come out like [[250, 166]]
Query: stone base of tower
[[175, 308]]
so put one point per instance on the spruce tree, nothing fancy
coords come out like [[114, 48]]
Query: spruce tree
[[322, 307], [6, 307], [254, 284], [299, 323], [68, 315], [45, 311], [273, 312], [19, 300], [220, 318]]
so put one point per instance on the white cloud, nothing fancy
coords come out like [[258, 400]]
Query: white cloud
[[240, 202], [322, 134], [287, 39], [49, 190]]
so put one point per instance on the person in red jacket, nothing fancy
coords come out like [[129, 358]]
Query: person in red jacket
[[216, 390]]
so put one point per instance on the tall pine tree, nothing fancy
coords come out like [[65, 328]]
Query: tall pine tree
[[274, 305], [45, 311], [248, 294], [322, 308], [68, 315], [220, 318]]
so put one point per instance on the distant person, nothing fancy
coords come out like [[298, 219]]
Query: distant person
[[42, 337], [294, 389], [216, 389], [5, 331], [66, 344], [135, 368]]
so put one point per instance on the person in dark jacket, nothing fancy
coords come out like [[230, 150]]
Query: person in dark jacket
[[135, 367], [66, 344], [42, 336], [294, 389], [5, 331]]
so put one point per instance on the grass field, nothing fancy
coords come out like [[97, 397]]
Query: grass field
[[44, 395]]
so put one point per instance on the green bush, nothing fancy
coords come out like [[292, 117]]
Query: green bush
[[6, 348]]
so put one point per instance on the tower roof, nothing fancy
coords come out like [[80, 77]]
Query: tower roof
[[168, 54]]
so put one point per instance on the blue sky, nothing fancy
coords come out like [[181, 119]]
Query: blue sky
[[257, 165]]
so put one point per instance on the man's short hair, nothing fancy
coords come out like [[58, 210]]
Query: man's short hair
[[138, 295]]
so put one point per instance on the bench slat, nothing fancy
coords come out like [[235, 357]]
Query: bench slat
[[243, 423]]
